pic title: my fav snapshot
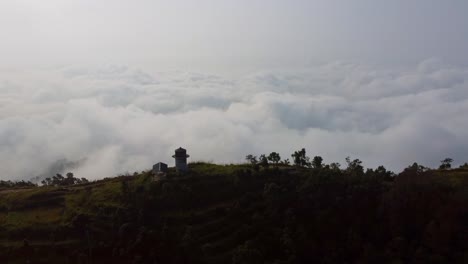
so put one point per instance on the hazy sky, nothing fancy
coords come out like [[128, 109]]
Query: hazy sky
[[119, 84], [241, 33]]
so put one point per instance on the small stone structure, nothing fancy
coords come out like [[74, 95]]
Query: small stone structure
[[159, 171], [159, 168], [181, 159]]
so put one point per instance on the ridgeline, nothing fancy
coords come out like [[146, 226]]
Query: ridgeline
[[250, 213]]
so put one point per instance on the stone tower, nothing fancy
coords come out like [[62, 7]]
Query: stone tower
[[181, 159]]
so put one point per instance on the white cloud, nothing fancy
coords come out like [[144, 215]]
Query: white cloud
[[121, 119]]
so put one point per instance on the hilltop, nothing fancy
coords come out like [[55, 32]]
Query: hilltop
[[242, 214]]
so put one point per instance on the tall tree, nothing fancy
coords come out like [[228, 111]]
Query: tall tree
[[252, 159], [300, 158], [264, 161], [446, 164], [354, 166], [317, 162], [274, 157]]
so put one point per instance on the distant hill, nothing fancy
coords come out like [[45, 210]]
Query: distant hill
[[243, 214]]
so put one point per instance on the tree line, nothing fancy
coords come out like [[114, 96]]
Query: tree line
[[16, 184], [59, 180], [300, 159]]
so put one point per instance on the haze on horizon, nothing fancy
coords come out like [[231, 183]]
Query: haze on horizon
[[122, 83]]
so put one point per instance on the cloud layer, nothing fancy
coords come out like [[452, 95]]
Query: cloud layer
[[118, 119]]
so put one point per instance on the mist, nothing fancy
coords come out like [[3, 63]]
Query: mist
[[117, 119]]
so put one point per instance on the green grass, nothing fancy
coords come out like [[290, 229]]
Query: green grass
[[455, 177], [18, 220], [49, 207], [209, 169]]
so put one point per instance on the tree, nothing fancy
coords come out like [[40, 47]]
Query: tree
[[69, 180], [416, 168], [264, 161], [300, 159], [317, 162], [252, 159], [274, 157], [354, 166], [335, 166], [382, 172], [59, 180], [11, 184], [446, 164]]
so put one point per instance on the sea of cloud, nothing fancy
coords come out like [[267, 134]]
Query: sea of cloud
[[117, 119]]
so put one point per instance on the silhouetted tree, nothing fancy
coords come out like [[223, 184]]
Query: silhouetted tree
[[382, 172], [446, 164], [264, 161], [274, 157], [354, 166], [300, 158], [317, 162], [252, 159], [11, 184], [69, 180], [416, 168], [59, 180], [335, 166]]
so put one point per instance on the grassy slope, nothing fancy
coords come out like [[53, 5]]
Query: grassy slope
[[49, 207], [34, 213]]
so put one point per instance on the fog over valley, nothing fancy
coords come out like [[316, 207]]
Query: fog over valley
[[118, 119]]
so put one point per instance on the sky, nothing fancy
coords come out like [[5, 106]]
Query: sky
[[118, 85]]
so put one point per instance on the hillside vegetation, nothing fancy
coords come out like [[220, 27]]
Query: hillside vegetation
[[251, 213]]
